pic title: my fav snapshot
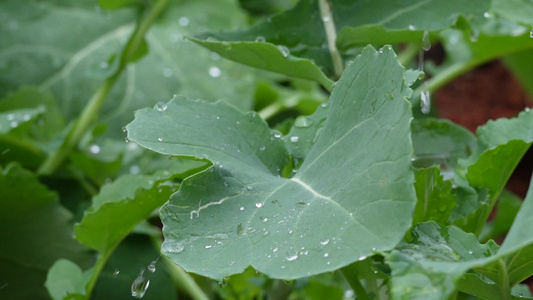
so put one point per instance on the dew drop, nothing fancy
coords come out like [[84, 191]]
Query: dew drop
[[531, 34], [214, 72], [260, 39], [249, 187], [411, 27], [470, 251], [124, 129], [160, 139], [14, 124], [324, 242], [241, 208], [259, 205], [294, 139], [362, 258], [151, 266], [94, 149], [284, 50], [26, 117], [303, 122], [275, 250], [326, 19], [326, 254], [488, 15], [426, 41], [161, 106], [116, 272], [135, 169], [126, 140], [291, 255], [262, 148], [208, 246], [277, 135], [183, 21], [139, 286]]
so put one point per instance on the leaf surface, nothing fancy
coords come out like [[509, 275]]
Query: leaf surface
[[239, 212], [435, 198]]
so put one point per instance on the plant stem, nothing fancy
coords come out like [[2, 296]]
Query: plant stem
[[98, 267], [409, 53], [183, 280], [351, 276], [90, 112], [505, 288], [331, 34]]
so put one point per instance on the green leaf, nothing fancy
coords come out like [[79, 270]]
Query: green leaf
[[121, 205], [14, 118], [521, 65], [508, 207], [116, 4], [65, 277], [435, 198], [301, 32], [519, 11], [239, 212], [36, 231]]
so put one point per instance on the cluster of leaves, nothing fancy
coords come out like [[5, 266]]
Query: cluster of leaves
[[336, 186]]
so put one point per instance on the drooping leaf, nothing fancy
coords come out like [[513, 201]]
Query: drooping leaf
[[239, 212], [300, 33], [122, 204], [435, 198], [36, 231]]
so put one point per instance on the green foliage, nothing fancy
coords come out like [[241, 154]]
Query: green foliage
[[303, 198]]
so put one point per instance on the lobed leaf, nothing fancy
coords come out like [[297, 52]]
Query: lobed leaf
[[239, 212]]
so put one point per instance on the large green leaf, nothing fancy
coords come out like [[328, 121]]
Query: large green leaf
[[353, 191], [300, 34], [36, 231], [73, 44]]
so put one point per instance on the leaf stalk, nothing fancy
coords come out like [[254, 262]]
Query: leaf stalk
[[331, 34]]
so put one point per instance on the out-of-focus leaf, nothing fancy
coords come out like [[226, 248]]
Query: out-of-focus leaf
[[12, 119], [519, 11], [36, 231], [508, 206], [65, 277], [239, 212], [521, 65], [116, 4], [435, 198]]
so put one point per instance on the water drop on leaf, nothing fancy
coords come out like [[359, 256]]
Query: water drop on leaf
[[411, 27], [183, 21], [161, 106], [324, 242], [303, 122], [214, 72], [139, 286], [116, 272], [294, 138], [291, 255], [284, 50], [260, 39], [531, 34], [249, 187]]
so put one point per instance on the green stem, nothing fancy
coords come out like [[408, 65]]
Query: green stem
[[90, 112], [183, 280], [350, 274], [505, 288], [97, 269], [409, 53], [271, 110], [331, 34]]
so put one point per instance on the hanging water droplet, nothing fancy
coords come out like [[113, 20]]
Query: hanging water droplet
[[139, 286], [294, 139], [249, 187], [284, 50], [116, 272], [324, 242], [126, 140], [260, 39], [161, 106], [303, 122], [151, 266], [426, 41], [214, 72], [425, 103], [291, 255], [94, 149], [183, 21]]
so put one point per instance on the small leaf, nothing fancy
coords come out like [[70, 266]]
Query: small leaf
[[65, 277], [435, 198], [239, 212]]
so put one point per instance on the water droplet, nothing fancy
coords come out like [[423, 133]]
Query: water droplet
[[116, 272], [411, 27], [277, 135], [260, 39], [426, 41], [263, 219], [262, 148], [14, 124], [135, 169], [284, 50], [26, 117], [183, 21], [241, 208], [167, 72], [349, 294], [425, 103], [259, 205], [151, 266], [94, 149], [294, 138], [208, 246], [275, 250], [231, 263], [324, 242], [126, 140], [170, 157], [326, 254], [488, 15], [291, 231], [303, 122], [139, 286], [326, 19], [124, 129], [291, 255], [249, 187], [531, 34], [161, 106], [470, 251], [362, 258], [214, 72], [160, 139]]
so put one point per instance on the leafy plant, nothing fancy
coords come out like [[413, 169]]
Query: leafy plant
[[330, 176]]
